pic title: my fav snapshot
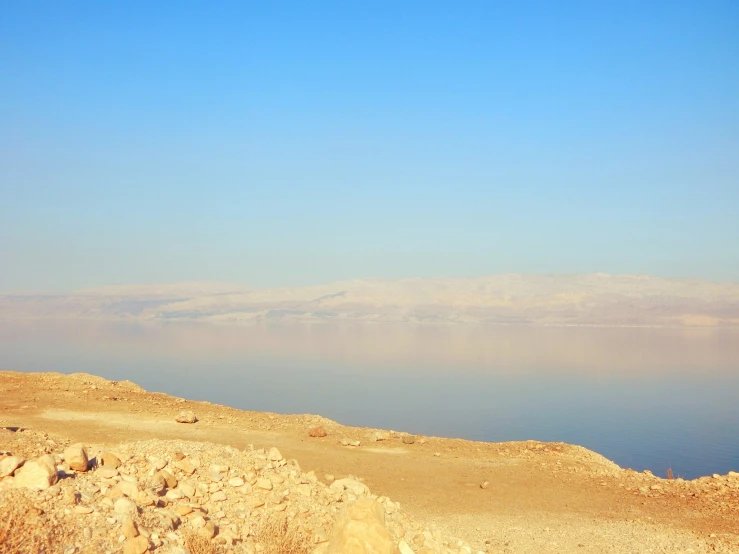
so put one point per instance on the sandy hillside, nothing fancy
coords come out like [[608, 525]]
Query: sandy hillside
[[463, 496]]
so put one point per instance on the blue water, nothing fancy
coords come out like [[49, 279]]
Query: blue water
[[645, 398]]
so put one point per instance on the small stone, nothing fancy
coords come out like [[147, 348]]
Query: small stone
[[409, 439], [137, 545], [70, 497], [329, 478], [236, 481], [174, 494], [265, 484], [128, 488], [76, 457], [87, 532], [110, 460], [274, 455], [157, 463], [484, 484], [187, 490], [106, 472], [185, 465], [186, 416], [183, 510], [208, 530], [125, 506], [198, 522], [317, 432], [219, 496], [404, 548], [352, 485], [9, 465], [83, 509], [168, 478], [129, 529]]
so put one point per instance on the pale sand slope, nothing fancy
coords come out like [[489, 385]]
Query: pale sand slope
[[542, 497]]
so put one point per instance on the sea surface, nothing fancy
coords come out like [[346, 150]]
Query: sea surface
[[645, 398]]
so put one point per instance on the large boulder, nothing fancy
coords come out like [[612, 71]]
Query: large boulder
[[360, 529], [37, 474]]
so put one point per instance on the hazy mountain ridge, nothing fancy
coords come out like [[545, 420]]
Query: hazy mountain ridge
[[590, 299]]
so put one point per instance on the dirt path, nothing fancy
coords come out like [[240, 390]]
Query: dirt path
[[540, 498]]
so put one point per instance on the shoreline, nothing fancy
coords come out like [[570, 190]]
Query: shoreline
[[579, 495]]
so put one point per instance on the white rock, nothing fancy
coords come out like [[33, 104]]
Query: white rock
[[128, 488], [186, 416], [157, 463], [76, 457], [352, 485], [274, 455], [187, 490], [404, 548], [106, 472], [125, 506], [38, 474], [236, 481], [361, 528], [265, 484], [198, 522], [174, 494]]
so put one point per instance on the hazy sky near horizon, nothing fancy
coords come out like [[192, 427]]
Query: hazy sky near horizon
[[289, 143]]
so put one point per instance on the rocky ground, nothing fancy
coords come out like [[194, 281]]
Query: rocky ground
[[89, 465]]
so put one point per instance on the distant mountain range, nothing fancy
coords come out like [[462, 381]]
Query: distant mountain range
[[511, 299]]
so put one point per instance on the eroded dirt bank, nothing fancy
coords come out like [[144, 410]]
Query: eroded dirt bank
[[539, 497]]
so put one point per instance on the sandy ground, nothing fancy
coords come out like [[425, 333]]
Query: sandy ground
[[541, 497]]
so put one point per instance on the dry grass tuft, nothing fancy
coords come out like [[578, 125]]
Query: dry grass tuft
[[669, 473], [198, 544], [278, 535], [24, 529]]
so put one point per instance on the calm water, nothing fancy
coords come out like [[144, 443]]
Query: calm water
[[645, 398]]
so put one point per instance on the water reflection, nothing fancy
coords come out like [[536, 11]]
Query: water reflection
[[387, 346], [647, 398]]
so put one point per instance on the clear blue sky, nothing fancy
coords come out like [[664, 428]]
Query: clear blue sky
[[287, 143]]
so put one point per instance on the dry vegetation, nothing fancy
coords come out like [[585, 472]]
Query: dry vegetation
[[197, 544], [24, 529], [278, 535]]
